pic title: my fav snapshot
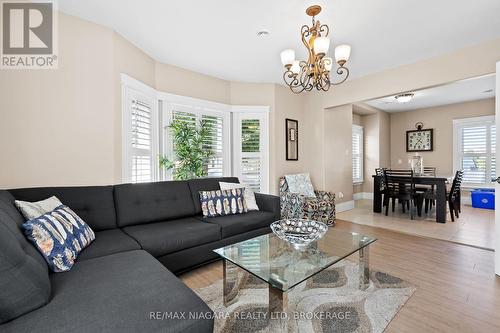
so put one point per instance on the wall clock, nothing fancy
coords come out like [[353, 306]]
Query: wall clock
[[419, 139]]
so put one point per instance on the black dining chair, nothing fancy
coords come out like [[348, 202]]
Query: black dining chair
[[401, 186], [428, 172], [453, 196], [383, 188]]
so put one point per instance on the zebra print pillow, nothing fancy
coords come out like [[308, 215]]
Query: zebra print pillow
[[223, 202], [59, 235]]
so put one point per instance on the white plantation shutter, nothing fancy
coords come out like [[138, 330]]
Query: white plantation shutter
[[219, 164], [141, 133], [215, 164], [250, 155], [251, 162], [476, 149], [357, 154]]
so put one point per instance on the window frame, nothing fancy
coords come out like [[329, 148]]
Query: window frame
[[458, 125], [133, 89], [357, 129], [251, 112], [199, 108]]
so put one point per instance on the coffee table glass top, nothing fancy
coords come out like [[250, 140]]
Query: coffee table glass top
[[282, 265]]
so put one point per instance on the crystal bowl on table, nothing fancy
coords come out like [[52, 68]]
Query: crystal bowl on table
[[299, 232]]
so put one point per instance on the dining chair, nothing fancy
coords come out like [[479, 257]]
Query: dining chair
[[452, 196], [401, 186], [428, 172], [383, 188]]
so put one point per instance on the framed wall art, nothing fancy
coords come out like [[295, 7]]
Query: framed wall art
[[292, 139]]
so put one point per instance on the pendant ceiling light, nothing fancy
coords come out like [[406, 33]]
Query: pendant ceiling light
[[315, 72]]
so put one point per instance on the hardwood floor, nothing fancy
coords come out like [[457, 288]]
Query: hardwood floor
[[475, 227], [457, 290]]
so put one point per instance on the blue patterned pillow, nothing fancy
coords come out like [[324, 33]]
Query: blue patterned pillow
[[223, 202], [59, 235]]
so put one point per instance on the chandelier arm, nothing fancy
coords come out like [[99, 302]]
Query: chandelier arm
[[324, 29], [342, 71]]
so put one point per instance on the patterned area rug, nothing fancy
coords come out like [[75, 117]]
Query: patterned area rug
[[328, 302]]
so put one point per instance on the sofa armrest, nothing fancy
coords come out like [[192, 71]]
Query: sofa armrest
[[268, 203]]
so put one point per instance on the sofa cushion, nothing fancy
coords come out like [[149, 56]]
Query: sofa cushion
[[94, 204], [24, 281], [223, 202], [109, 242], [59, 235], [31, 210], [206, 184], [165, 237], [116, 293], [237, 224], [152, 202]]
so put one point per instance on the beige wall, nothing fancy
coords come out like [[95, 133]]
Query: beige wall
[[338, 151], [441, 120], [63, 127], [57, 126], [184, 82]]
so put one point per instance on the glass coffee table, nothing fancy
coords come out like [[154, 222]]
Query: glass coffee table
[[283, 267]]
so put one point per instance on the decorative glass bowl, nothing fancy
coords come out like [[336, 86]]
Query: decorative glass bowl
[[299, 232]]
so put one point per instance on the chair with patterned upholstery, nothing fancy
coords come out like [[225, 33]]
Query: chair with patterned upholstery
[[300, 200]]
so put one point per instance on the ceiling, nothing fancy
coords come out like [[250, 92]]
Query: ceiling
[[219, 37], [457, 92]]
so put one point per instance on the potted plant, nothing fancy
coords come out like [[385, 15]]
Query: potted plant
[[190, 149]]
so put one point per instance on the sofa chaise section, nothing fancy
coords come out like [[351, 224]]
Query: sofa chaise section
[[123, 292]]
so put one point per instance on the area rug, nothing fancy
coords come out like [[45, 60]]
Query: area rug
[[328, 302]]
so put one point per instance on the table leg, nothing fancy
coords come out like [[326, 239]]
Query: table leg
[[441, 202], [278, 300], [229, 283], [377, 195], [364, 268]]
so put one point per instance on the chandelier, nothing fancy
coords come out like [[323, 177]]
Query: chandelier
[[315, 72]]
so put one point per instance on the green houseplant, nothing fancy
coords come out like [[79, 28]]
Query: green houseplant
[[190, 149]]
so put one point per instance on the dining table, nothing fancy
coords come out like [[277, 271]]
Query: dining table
[[439, 184]]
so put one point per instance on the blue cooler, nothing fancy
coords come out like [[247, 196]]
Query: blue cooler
[[483, 198]]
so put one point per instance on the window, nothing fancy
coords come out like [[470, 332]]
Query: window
[[139, 133], [357, 154], [238, 135], [194, 111], [474, 149], [251, 149]]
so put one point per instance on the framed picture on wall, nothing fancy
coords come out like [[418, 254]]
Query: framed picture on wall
[[292, 139]]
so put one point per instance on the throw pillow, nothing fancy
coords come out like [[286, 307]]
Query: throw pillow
[[59, 235], [300, 184], [248, 194], [223, 202], [31, 210]]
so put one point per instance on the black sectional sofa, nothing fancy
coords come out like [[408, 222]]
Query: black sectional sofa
[[125, 280]]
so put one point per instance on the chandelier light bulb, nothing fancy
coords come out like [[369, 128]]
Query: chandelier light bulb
[[342, 54], [295, 67], [321, 45], [287, 57]]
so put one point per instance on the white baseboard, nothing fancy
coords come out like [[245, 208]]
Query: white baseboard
[[363, 196], [344, 206]]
